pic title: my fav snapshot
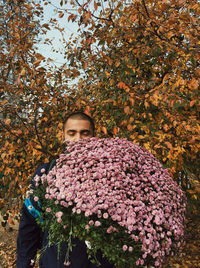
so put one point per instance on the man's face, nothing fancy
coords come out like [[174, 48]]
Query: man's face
[[76, 129]]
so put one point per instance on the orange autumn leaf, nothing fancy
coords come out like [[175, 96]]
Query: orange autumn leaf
[[104, 129], [130, 127], [192, 103], [87, 110], [95, 5], [193, 84], [7, 121], [115, 130], [169, 145], [23, 72], [61, 14], [127, 109]]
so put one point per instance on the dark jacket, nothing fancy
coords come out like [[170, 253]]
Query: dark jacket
[[30, 239]]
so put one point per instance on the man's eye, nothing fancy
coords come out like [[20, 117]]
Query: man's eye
[[86, 133], [70, 133]]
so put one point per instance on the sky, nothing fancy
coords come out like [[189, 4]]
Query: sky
[[55, 35]]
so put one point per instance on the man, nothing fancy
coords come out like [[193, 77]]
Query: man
[[30, 238]]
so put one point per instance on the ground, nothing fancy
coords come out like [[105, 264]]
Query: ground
[[189, 258], [7, 248]]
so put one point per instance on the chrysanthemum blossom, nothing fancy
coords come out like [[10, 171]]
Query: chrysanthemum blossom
[[97, 223], [48, 209], [67, 263], [124, 247], [36, 198], [119, 182]]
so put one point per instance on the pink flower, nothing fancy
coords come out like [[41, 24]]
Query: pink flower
[[142, 262], [32, 263], [48, 209], [87, 213], [36, 178], [46, 196], [97, 223], [125, 247], [105, 215], [67, 263], [36, 198], [59, 214], [131, 220], [157, 220], [59, 220], [78, 211], [111, 229], [130, 249]]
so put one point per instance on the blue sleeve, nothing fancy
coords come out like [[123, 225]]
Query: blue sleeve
[[29, 234]]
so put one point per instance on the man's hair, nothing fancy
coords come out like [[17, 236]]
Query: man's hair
[[80, 116]]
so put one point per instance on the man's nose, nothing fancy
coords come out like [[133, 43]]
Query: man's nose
[[77, 137]]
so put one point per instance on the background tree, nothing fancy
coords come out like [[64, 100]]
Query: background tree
[[32, 100]]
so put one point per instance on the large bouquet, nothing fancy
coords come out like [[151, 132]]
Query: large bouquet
[[117, 197]]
